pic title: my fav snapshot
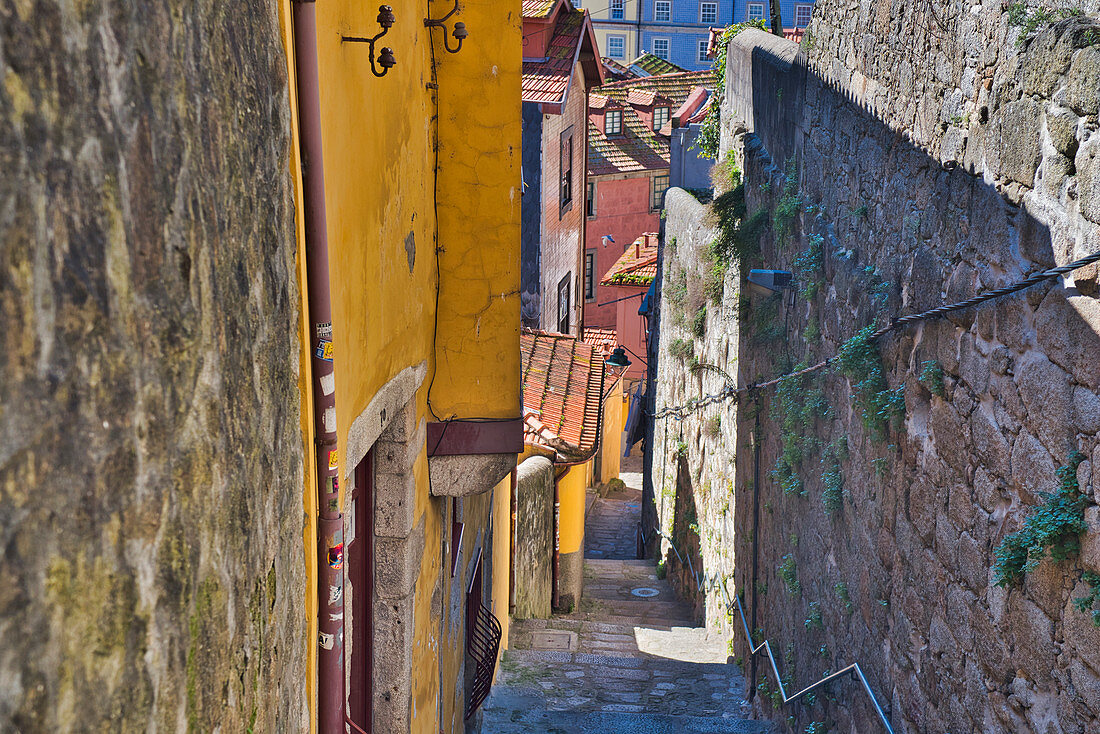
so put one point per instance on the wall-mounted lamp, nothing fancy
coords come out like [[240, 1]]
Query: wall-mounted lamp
[[459, 31], [773, 280], [618, 358], [386, 59]]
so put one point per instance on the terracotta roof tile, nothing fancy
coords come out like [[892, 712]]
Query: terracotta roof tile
[[637, 266], [537, 8], [562, 387], [654, 65], [547, 81], [636, 148], [616, 71], [602, 339], [673, 87]]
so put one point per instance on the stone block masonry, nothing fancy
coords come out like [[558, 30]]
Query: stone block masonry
[[901, 161], [151, 568]]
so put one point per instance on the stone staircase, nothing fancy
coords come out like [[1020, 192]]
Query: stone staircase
[[629, 659]]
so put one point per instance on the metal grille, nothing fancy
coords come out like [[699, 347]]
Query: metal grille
[[482, 645]]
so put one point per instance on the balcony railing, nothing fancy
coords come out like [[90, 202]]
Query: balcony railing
[[482, 645]]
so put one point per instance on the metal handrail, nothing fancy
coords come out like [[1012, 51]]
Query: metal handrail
[[718, 582]]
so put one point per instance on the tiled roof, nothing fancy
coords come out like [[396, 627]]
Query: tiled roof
[[537, 8], [636, 148], [654, 65], [602, 339], [547, 81], [673, 87], [562, 388], [601, 102], [616, 71], [641, 97], [637, 266]]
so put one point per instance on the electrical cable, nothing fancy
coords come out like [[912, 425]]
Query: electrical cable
[[680, 412]]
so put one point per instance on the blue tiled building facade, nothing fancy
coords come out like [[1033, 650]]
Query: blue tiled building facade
[[677, 30]]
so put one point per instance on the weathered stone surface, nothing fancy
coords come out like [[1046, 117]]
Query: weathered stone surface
[[1081, 92], [151, 457], [534, 542], [1048, 395], [1012, 147]]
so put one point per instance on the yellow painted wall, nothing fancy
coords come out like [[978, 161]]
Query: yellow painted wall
[[502, 556], [630, 46], [571, 489], [382, 197], [611, 438]]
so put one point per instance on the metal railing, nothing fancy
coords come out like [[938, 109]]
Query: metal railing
[[719, 583], [482, 644]]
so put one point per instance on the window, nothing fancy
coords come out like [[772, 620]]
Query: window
[[617, 9], [708, 13], [802, 15], [616, 47], [660, 48], [613, 122], [590, 275], [704, 51], [565, 198], [660, 117], [590, 204], [662, 10], [563, 304], [756, 11], [660, 185]]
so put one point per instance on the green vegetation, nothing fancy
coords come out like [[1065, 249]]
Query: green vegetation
[[699, 322], [809, 267], [931, 376], [788, 573], [832, 482], [1087, 604], [811, 334], [662, 570], [682, 349], [816, 727], [858, 360], [1029, 20], [814, 620], [1057, 524], [738, 234], [788, 206], [711, 130], [681, 450], [713, 426], [841, 590], [763, 320], [799, 402]]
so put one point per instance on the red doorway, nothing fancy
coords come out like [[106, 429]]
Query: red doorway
[[360, 575]]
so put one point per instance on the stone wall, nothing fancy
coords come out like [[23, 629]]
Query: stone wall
[[534, 552], [905, 157], [151, 560]]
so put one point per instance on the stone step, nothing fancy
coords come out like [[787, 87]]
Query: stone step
[[557, 658], [617, 722]]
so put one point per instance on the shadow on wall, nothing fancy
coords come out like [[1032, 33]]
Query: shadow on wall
[[903, 565], [685, 536]]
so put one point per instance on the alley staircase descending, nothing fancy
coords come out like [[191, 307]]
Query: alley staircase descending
[[621, 662]]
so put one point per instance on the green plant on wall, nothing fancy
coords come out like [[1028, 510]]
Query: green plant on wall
[[789, 205], [1054, 526], [799, 403], [682, 349], [788, 574], [841, 590], [814, 619], [832, 481], [738, 233], [1029, 20], [1088, 604], [931, 376], [858, 359], [809, 266], [710, 132], [699, 322], [764, 323]]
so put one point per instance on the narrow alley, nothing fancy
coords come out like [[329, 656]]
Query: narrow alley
[[629, 659]]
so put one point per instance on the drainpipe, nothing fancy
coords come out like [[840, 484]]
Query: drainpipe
[[330, 525], [514, 506], [557, 546]]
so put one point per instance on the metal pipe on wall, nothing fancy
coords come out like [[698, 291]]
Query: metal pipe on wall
[[557, 546], [330, 526]]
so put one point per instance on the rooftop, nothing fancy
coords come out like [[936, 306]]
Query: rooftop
[[547, 80], [636, 148], [563, 380], [674, 87], [537, 8], [637, 266], [651, 65], [602, 339]]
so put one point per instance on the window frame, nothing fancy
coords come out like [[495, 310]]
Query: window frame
[[589, 275], [667, 4], [590, 200], [666, 116], [714, 20], [565, 172], [621, 9], [657, 202], [622, 48], [749, 8], [810, 14], [618, 117], [564, 307], [668, 47], [703, 47]]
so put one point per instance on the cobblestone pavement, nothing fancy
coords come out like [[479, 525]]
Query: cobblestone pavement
[[627, 660]]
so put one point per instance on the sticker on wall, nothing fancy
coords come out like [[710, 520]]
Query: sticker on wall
[[333, 505], [336, 557], [329, 420], [324, 331], [323, 350], [328, 384], [333, 460], [337, 617], [332, 484], [326, 640], [335, 594]]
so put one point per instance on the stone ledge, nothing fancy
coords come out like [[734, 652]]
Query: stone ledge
[[463, 476]]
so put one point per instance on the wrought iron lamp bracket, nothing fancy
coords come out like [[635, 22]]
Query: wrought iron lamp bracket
[[384, 57], [459, 31]]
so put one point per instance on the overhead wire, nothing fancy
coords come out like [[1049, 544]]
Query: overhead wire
[[679, 412]]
